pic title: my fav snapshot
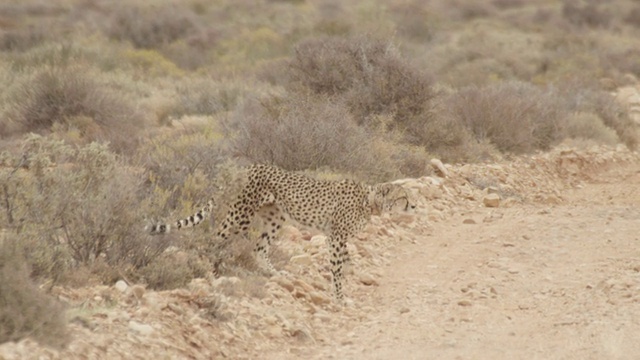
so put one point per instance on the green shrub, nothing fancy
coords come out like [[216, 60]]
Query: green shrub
[[25, 311]]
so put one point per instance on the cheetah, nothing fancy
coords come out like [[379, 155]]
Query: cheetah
[[339, 209]]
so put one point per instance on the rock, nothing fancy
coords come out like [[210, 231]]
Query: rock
[[138, 291], [368, 279], [273, 331], [121, 286], [468, 221], [284, 282], [318, 298], [439, 167], [464, 303], [491, 200], [318, 241], [142, 329], [303, 259]]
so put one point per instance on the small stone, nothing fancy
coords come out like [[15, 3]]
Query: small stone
[[404, 310], [464, 303], [318, 240], [319, 298], [303, 259], [368, 279], [439, 167], [492, 200], [284, 282], [142, 329], [469, 221], [138, 291], [121, 286]]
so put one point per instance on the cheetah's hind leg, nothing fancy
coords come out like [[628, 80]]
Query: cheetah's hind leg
[[272, 219]]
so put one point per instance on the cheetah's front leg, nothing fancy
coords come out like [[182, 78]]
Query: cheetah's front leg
[[338, 253]]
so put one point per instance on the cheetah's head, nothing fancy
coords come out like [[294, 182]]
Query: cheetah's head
[[388, 197]]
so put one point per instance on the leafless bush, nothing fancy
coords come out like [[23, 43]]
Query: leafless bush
[[207, 97], [24, 309], [612, 114], [23, 38], [514, 117], [370, 74], [71, 97], [412, 19], [152, 27], [589, 14], [508, 4], [589, 126], [633, 17], [184, 267], [307, 131]]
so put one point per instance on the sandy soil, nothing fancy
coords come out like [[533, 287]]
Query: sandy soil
[[553, 272], [536, 282]]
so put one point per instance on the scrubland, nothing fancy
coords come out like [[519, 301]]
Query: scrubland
[[118, 114]]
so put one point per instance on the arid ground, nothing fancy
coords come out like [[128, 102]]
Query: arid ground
[[553, 272]]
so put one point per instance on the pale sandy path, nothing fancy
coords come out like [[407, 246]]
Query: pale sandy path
[[535, 282]]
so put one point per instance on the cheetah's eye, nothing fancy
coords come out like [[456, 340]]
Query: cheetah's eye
[[398, 201]]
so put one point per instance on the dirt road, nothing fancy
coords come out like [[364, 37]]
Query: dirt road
[[526, 282]]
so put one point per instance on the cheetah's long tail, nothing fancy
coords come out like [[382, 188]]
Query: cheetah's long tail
[[192, 220]]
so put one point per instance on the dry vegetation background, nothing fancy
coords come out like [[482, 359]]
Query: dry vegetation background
[[117, 113]]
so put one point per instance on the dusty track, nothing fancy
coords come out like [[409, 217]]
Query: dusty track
[[541, 282]]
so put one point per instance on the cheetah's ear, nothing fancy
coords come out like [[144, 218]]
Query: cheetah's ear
[[386, 189]]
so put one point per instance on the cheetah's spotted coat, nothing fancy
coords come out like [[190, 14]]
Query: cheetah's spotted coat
[[339, 209]]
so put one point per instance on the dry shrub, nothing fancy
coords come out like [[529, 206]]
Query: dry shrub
[[633, 17], [514, 117], [589, 14], [151, 26], [62, 95], [182, 165], [21, 39], [308, 131], [451, 141], [612, 114], [589, 126], [413, 20], [25, 311], [509, 4], [369, 74], [173, 270], [75, 207], [207, 97]]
